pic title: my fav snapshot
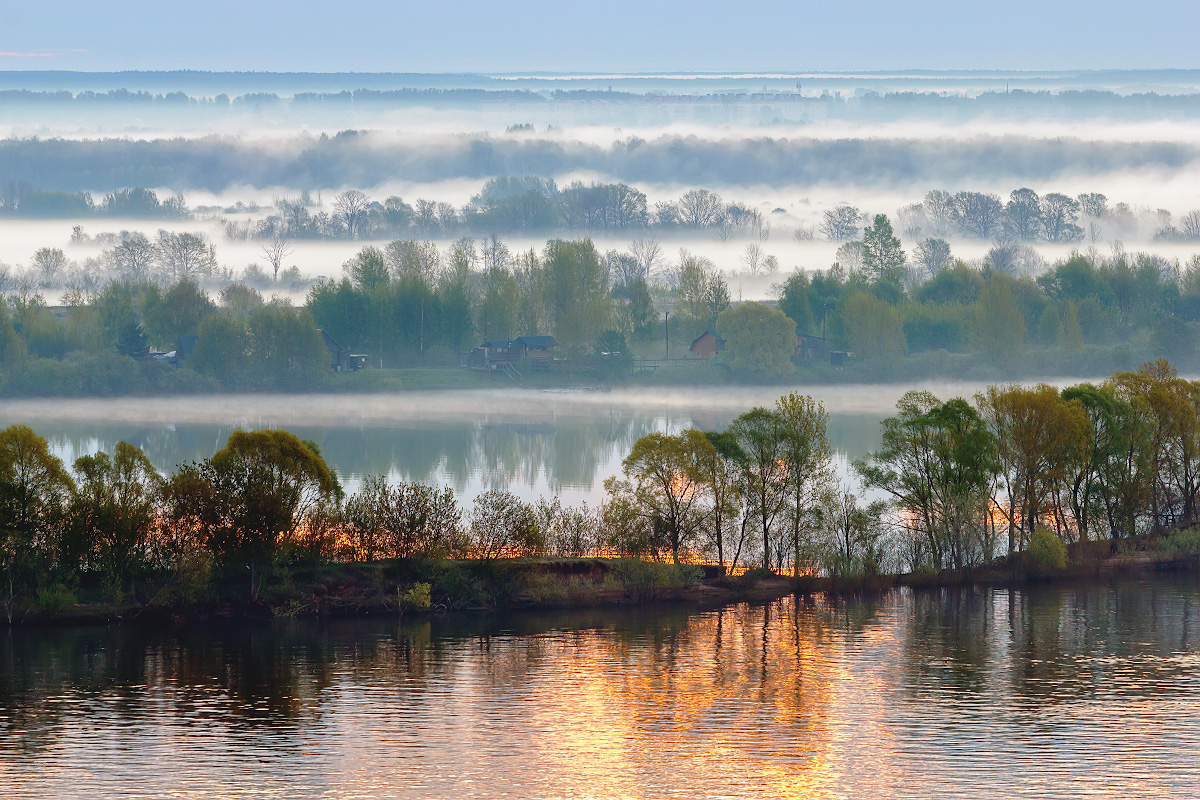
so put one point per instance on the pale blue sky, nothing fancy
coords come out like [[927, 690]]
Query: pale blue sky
[[613, 36]]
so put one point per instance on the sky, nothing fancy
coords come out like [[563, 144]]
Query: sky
[[619, 36]]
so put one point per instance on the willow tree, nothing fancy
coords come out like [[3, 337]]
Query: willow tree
[[937, 461], [760, 433], [667, 473], [1167, 412], [576, 293], [759, 341], [1039, 436], [34, 487], [251, 497], [808, 458], [1091, 491], [722, 468], [113, 513]]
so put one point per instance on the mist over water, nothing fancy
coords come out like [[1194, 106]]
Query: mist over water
[[534, 443]]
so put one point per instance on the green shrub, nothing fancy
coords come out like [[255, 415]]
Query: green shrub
[[55, 598], [1181, 544], [1046, 553], [417, 597], [756, 574], [633, 573]]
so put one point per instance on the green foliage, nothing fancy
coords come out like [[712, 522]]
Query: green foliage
[[873, 328], [407, 520], [250, 497], [55, 598], [667, 474], [1048, 327], [931, 327], [996, 326], [131, 341], [643, 319], [501, 524], [639, 575], [1046, 553], [759, 341], [1183, 544], [937, 461], [113, 512], [881, 254], [416, 597], [275, 346], [179, 311], [34, 488], [796, 301], [613, 353]]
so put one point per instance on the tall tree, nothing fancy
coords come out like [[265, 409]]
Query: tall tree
[[34, 489], [808, 458], [251, 497], [760, 433], [668, 474], [881, 256]]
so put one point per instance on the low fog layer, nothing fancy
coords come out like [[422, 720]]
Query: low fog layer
[[367, 160], [366, 410]]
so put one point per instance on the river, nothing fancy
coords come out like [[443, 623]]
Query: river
[[1050, 692], [533, 443]]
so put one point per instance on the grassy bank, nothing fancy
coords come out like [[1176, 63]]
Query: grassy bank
[[1175, 551], [402, 587], [397, 587]]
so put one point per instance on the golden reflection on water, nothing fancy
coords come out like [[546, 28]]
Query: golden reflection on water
[[940, 694]]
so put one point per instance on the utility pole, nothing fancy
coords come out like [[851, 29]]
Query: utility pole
[[667, 333]]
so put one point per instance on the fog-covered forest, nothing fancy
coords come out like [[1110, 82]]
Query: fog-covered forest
[[994, 225]]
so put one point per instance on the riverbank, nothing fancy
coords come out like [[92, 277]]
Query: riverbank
[[1138, 556], [411, 587], [408, 587]]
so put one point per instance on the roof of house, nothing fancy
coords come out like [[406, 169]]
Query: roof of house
[[497, 344], [711, 333], [535, 341], [330, 343]]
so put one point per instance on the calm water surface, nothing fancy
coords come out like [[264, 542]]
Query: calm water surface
[[1089, 691], [530, 442]]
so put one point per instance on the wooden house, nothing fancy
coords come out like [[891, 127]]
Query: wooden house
[[707, 345], [341, 359], [809, 348], [536, 351]]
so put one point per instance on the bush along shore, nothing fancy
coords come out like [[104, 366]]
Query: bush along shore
[[1022, 483]]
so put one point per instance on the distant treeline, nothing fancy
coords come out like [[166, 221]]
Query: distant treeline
[[413, 303], [352, 158], [833, 104], [374, 97]]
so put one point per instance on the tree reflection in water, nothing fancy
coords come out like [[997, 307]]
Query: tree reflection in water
[[532, 443], [906, 694]]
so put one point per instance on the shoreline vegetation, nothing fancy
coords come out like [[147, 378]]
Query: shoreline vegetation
[[373, 589], [1020, 483]]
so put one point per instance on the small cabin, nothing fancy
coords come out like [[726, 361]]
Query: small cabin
[[707, 345], [809, 348], [498, 350], [536, 351], [341, 359]]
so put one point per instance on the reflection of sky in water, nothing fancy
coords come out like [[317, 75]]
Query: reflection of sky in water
[[533, 443]]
